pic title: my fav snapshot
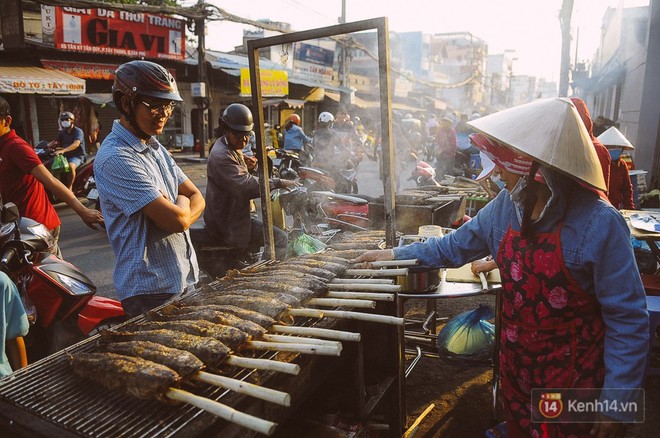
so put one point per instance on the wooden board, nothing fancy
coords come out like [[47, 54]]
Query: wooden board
[[465, 275]]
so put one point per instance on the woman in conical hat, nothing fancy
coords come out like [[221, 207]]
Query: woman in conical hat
[[573, 305], [620, 190]]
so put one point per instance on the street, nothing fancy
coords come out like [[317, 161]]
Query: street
[[90, 250]]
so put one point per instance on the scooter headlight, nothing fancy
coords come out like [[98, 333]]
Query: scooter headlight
[[75, 286]]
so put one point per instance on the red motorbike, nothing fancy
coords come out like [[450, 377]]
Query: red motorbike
[[59, 299], [424, 175], [319, 211]]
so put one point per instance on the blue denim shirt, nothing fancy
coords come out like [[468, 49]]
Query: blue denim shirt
[[295, 138], [595, 242], [129, 175]]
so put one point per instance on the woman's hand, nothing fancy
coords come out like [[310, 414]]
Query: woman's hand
[[486, 265], [377, 255]]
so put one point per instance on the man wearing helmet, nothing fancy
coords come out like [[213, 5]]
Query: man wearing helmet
[[295, 139], [72, 141], [231, 186], [147, 200], [325, 141], [573, 305]]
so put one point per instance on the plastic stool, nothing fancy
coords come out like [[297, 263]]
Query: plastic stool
[[653, 305]]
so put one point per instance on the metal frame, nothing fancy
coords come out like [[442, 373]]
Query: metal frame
[[380, 24]]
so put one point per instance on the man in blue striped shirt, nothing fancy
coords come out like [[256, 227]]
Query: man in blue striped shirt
[[147, 200]]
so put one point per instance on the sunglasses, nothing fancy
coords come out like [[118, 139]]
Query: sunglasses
[[159, 108]]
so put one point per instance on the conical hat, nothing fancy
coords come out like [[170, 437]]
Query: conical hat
[[549, 131], [613, 139]]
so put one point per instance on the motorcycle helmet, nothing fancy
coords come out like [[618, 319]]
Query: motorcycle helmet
[[295, 119], [326, 117], [144, 78], [67, 115], [237, 117]]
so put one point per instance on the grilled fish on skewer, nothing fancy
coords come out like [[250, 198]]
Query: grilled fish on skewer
[[298, 287], [209, 350], [190, 367], [232, 337], [245, 290], [184, 363], [294, 263], [271, 307], [148, 380], [277, 270], [173, 312], [135, 376]]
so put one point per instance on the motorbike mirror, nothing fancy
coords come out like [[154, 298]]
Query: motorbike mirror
[[9, 213]]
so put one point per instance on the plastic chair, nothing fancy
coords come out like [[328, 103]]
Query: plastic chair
[[653, 304]]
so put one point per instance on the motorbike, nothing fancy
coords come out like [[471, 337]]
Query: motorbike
[[324, 213], [424, 175], [342, 180], [84, 182], [59, 299], [467, 165]]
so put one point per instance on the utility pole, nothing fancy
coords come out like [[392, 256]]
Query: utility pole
[[343, 60], [565, 23], [202, 103]]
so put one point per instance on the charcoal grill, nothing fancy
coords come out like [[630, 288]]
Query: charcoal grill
[[47, 399]]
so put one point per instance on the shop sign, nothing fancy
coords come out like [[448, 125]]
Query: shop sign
[[84, 70], [273, 83], [313, 62], [109, 32]]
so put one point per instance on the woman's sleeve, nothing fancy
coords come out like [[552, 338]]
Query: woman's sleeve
[[473, 240], [619, 290]]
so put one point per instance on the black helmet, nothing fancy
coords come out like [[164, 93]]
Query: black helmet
[[145, 78], [238, 117]]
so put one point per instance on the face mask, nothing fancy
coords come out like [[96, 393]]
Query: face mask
[[616, 154], [66, 124], [495, 178]]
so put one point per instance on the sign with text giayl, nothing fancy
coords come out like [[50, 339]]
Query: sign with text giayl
[[108, 32]]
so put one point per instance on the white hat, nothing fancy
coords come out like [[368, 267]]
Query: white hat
[[613, 139], [549, 131]]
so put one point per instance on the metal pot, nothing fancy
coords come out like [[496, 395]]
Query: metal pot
[[419, 280]]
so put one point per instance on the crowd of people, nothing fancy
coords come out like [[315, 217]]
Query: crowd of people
[[571, 316]]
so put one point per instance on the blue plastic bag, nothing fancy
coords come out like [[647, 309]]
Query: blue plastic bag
[[468, 338]]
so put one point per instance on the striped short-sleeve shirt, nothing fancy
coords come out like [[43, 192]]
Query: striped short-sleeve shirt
[[129, 175]]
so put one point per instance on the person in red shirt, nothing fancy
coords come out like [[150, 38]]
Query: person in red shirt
[[22, 181], [601, 150], [620, 190]]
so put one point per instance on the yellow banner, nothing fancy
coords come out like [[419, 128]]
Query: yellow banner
[[274, 83]]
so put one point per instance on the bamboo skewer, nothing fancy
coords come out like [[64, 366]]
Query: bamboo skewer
[[361, 281], [323, 350], [263, 364], [299, 340], [398, 263], [376, 272], [361, 295], [365, 287], [223, 411], [359, 316], [337, 335], [313, 313], [342, 302], [241, 387]]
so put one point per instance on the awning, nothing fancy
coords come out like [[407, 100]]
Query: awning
[[291, 103], [97, 98], [37, 80]]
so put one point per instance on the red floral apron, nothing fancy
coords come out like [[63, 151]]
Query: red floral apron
[[551, 331]]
